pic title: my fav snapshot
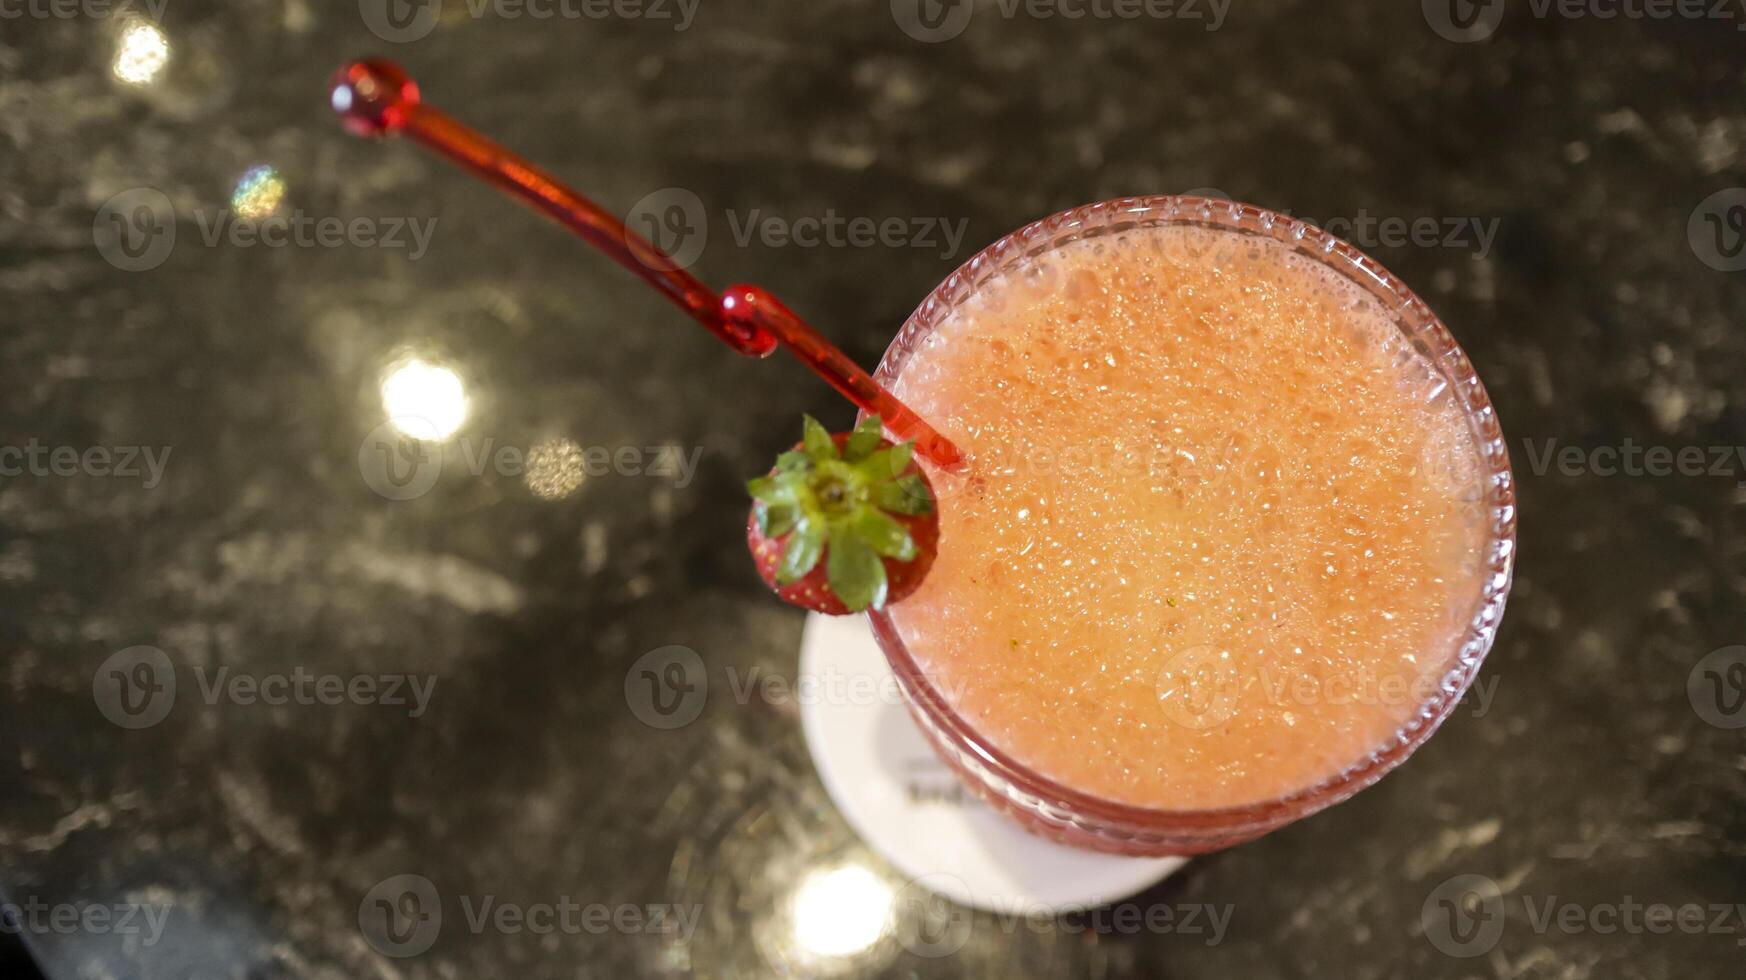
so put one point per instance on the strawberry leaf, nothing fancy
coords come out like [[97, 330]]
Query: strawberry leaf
[[770, 490], [864, 439], [855, 573], [817, 440], [905, 495], [793, 461], [775, 521], [888, 463], [801, 553], [882, 534]]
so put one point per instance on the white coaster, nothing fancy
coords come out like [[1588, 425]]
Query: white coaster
[[907, 805]]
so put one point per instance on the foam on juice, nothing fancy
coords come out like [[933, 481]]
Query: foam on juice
[[1220, 530]]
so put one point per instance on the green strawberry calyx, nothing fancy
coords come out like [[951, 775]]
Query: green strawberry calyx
[[837, 504]]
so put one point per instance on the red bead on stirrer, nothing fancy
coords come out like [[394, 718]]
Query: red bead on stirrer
[[377, 98]]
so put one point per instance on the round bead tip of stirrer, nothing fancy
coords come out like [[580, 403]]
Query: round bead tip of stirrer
[[373, 96], [740, 308]]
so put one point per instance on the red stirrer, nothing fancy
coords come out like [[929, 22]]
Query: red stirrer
[[377, 98]]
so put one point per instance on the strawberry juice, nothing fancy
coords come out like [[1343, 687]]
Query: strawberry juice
[[1223, 526]]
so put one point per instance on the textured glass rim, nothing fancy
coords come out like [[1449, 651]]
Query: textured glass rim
[[1065, 807]]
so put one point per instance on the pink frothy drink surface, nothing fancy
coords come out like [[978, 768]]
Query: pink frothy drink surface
[[1220, 531]]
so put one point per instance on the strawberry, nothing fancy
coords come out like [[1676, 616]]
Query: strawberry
[[843, 522]]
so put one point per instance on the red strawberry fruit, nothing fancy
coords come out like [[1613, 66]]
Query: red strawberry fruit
[[844, 522]]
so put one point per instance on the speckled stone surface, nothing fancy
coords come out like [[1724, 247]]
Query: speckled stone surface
[[1595, 775]]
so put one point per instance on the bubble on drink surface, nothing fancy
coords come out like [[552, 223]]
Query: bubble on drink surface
[[1199, 686]]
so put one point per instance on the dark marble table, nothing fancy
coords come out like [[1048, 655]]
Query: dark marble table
[[193, 424]]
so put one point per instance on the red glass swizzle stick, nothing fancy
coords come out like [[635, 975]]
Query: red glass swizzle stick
[[377, 98]]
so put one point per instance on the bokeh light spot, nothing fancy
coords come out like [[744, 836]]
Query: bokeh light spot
[[417, 391], [258, 193], [554, 468], [840, 911], [141, 53]]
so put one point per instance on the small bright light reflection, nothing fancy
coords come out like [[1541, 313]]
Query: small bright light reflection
[[141, 52], [424, 401], [554, 468], [258, 192], [840, 911]]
